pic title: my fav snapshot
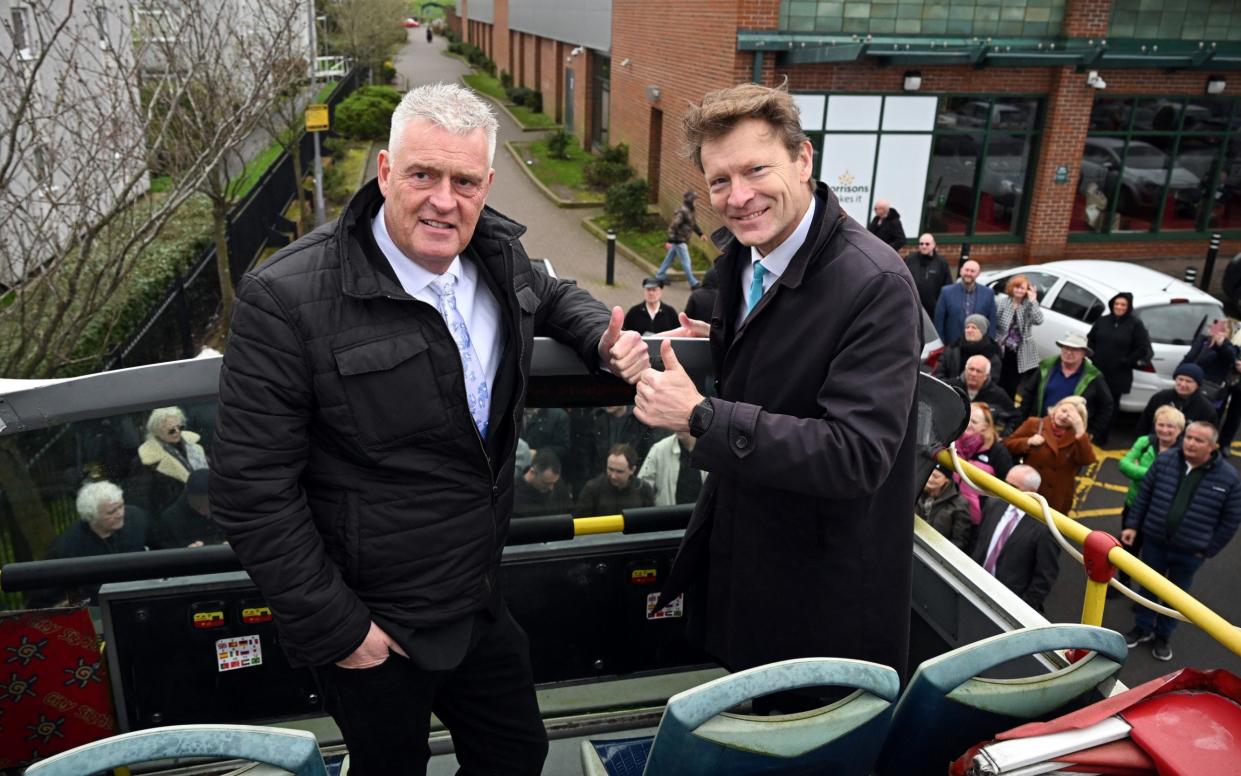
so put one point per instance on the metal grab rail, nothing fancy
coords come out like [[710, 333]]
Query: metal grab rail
[[1185, 606], [157, 564]]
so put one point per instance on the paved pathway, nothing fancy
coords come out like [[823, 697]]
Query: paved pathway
[[553, 233]]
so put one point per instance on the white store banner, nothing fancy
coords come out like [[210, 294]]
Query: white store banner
[[900, 178], [847, 166]]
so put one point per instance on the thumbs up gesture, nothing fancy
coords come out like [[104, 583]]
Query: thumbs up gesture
[[623, 352], [666, 399]]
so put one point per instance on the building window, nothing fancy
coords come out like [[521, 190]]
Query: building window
[[1160, 164], [600, 99], [1037, 18], [22, 32], [951, 165]]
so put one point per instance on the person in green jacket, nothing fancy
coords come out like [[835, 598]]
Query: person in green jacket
[[1169, 423]]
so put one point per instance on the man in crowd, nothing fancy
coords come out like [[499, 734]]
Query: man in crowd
[[960, 300], [669, 470], [930, 272], [809, 442], [886, 225], [540, 491], [1070, 374], [1187, 509], [617, 488], [370, 402], [651, 315], [1016, 549], [187, 523], [107, 526], [978, 386], [1185, 395]]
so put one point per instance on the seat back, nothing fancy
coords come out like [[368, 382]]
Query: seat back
[[948, 706], [698, 736], [295, 751], [53, 685]]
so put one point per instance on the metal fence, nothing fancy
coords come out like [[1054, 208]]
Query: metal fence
[[173, 327]]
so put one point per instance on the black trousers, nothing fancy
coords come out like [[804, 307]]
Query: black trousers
[[487, 703]]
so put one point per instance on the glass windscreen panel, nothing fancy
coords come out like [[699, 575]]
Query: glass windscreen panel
[[1177, 324], [1076, 302], [950, 187]]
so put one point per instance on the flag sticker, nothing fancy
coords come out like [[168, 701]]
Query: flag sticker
[[238, 652]]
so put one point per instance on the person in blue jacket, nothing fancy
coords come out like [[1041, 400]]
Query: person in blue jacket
[[1187, 509], [961, 300]]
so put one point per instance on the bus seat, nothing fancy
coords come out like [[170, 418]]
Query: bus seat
[[697, 735], [949, 707], [56, 684], [295, 751]]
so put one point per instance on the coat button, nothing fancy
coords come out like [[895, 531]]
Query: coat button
[[742, 442]]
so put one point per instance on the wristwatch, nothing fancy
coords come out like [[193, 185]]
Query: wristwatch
[[700, 418]]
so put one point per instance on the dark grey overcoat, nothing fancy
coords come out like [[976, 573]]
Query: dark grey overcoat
[[801, 542]]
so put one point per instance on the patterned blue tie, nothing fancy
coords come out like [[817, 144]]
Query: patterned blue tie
[[476, 390], [756, 287]]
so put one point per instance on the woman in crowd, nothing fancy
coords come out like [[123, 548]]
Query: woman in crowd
[[166, 458], [1169, 423], [992, 451], [1057, 446], [1014, 322], [1119, 343], [1215, 353]]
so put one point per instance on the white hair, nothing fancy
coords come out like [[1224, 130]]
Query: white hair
[[160, 415], [92, 495], [986, 362], [448, 106], [1030, 478]]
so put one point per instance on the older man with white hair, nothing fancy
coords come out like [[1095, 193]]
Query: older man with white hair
[[370, 402], [976, 381], [886, 225], [1017, 549]]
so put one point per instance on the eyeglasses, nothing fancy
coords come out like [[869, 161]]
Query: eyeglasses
[[171, 429]]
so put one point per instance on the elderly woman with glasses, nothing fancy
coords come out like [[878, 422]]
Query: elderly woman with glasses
[[167, 457]]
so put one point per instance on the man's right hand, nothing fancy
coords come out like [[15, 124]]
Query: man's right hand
[[1128, 536], [373, 650]]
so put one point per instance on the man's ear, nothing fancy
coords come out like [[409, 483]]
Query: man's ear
[[805, 161], [385, 170]]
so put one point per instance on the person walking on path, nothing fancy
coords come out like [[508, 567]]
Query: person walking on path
[[1187, 509], [1120, 344], [1014, 321], [886, 225], [960, 300], [683, 223], [930, 272]]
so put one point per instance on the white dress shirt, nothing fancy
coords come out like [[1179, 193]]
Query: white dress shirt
[[775, 262], [478, 308]]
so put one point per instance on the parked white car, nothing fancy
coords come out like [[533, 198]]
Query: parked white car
[[1074, 294]]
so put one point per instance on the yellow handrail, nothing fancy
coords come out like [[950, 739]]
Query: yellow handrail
[[1151, 581]]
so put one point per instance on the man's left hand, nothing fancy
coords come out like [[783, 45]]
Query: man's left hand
[[623, 352], [666, 399]]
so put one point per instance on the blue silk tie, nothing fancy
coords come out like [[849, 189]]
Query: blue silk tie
[[476, 390], [756, 287]]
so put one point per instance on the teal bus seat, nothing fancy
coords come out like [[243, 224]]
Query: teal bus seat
[[295, 751], [949, 707], [698, 736]]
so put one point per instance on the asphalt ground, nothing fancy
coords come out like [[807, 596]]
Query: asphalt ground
[[1099, 498], [557, 234]]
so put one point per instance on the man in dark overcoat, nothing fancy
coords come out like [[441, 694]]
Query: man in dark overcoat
[[800, 543]]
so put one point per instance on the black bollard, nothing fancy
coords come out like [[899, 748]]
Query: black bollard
[[1191, 275], [965, 256], [1208, 268], [611, 258]]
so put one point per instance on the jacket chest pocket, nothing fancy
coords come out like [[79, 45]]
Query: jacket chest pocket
[[391, 388]]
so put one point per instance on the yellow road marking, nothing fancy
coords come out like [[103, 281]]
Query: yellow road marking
[[1085, 513], [1093, 483]]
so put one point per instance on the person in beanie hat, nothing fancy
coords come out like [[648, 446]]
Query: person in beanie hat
[[942, 506], [974, 342], [1070, 374], [678, 236], [1185, 395]]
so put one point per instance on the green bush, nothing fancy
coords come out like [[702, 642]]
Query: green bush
[[601, 175], [534, 101], [626, 203], [618, 153], [456, 47], [367, 113], [558, 144], [506, 80]]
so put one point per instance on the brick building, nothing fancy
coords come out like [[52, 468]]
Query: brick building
[[981, 121]]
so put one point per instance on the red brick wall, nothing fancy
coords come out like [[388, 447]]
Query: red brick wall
[[1086, 18], [529, 69], [550, 76], [686, 57], [499, 37], [583, 77]]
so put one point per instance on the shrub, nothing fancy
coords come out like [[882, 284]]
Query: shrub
[[602, 175], [618, 153], [534, 101], [626, 203], [367, 113], [456, 47], [489, 65], [506, 80], [519, 95], [558, 144]]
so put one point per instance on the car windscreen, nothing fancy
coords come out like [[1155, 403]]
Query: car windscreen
[[1178, 324]]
